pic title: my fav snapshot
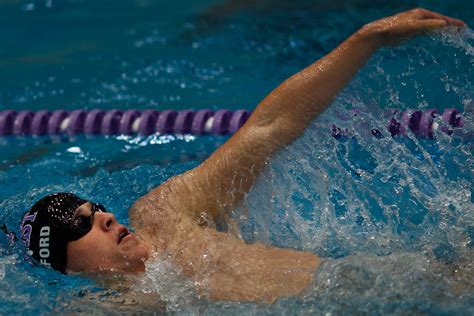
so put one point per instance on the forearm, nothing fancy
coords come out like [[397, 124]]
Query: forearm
[[290, 108], [296, 102]]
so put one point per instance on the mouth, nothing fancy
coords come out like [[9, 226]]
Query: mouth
[[123, 232]]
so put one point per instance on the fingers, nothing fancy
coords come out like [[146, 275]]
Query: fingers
[[426, 14], [411, 23], [430, 24], [417, 27]]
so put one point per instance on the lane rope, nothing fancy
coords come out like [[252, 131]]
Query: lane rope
[[116, 122]]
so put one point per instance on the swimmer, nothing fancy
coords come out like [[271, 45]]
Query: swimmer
[[175, 220]]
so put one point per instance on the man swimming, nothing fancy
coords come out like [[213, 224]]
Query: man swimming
[[175, 219]]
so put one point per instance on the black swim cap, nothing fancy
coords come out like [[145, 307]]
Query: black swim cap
[[49, 225]]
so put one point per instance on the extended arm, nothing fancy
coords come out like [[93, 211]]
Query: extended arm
[[226, 266], [223, 179], [281, 117]]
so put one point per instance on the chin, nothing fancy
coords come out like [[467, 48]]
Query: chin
[[138, 259], [141, 251]]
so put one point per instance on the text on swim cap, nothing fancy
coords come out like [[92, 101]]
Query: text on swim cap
[[26, 229], [44, 245]]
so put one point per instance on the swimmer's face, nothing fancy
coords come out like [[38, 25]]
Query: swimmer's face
[[107, 247]]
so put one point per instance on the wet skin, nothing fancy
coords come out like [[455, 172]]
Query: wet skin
[[108, 246], [171, 219]]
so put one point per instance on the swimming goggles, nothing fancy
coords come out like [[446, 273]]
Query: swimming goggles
[[81, 224]]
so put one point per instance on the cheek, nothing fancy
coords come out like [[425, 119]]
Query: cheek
[[79, 257], [90, 252], [106, 249]]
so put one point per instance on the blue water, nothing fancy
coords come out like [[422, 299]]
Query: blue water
[[393, 215]]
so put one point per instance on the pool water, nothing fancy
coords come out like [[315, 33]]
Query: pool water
[[394, 216]]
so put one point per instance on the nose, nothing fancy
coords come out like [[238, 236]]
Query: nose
[[105, 220]]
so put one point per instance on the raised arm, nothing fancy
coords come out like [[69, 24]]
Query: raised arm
[[222, 180]]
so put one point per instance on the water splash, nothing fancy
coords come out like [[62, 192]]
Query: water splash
[[393, 215], [392, 207]]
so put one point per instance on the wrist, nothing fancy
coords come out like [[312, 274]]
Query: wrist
[[369, 36]]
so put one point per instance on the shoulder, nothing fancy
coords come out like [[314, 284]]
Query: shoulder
[[156, 215]]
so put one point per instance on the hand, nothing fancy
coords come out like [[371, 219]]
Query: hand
[[394, 29]]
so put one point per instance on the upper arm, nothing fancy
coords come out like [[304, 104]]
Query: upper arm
[[227, 175], [221, 181]]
